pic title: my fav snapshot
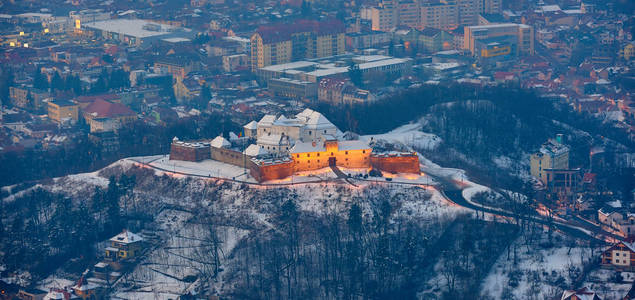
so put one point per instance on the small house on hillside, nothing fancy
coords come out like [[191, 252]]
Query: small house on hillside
[[124, 246], [620, 256], [581, 294]]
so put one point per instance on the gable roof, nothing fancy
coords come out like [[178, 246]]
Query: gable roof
[[220, 142], [104, 109], [255, 151], [581, 294], [251, 125], [126, 237]]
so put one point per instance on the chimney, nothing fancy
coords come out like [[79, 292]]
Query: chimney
[[559, 138]]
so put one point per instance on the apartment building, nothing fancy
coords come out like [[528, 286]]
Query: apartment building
[[442, 14], [303, 39], [62, 111]]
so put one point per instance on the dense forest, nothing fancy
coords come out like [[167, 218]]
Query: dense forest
[[86, 154]]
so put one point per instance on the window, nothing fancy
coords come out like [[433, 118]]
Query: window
[[331, 153], [298, 155], [318, 154], [617, 254], [363, 151], [324, 131], [308, 155], [346, 152], [318, 161]]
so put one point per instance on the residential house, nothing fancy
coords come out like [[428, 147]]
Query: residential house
[[330, 90], [619, 256], [125, 245], [31, 294], [27, 97], [102, 115], [232, 63], [580, 294], [187, 89], [618, 221]]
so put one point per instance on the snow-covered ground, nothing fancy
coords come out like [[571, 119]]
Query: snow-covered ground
[[602, 282], [208, 167], [538, 271], [409, 135]]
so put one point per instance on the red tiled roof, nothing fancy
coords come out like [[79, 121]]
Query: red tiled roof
[[88, 99], [104, 109], [281, 32]]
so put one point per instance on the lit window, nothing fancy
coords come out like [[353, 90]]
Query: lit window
[[346, 152], [308, 155]]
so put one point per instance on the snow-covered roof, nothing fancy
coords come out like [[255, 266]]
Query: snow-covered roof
[[54, 295], [251, 125], [255, 151], [581, 294], [267, 120], [273, 139], [352, 145], [314, 120], [126, 237], [302, 147], [220, 142]]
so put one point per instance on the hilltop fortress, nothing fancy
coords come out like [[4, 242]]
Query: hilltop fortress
[[277, 147]]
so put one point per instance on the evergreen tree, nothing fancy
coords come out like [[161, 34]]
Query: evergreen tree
[[57, 83], [39, 80], [355, 74], [6, 81]]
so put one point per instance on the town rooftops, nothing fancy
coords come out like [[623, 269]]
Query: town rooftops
[[282, 32], [126, 237], [105, 109], [134, 27]]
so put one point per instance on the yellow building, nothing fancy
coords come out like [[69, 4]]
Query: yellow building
[[266, 51], [523, 34], [629, 51], [123, 246], [552, 155], [331, 152], [283, 43], [63, 111]]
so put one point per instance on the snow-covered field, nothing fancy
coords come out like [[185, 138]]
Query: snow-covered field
[[537, 273], [409, 135]]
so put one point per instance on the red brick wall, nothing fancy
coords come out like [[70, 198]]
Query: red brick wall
[[271, 172], [396, 164], [180, 152]]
